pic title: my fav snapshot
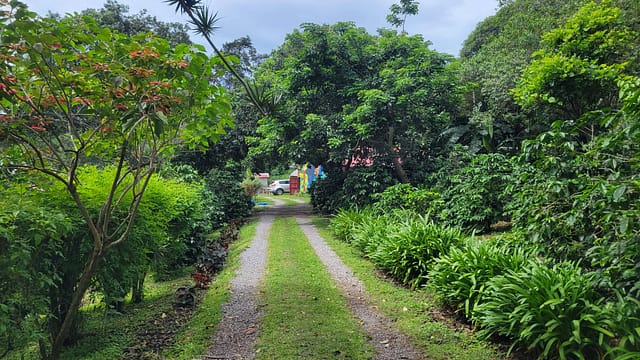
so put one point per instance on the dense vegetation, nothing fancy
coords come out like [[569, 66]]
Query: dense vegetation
[[563, 282], [124, 151]]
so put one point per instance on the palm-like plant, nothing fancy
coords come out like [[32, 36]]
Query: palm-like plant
[[204, 23]]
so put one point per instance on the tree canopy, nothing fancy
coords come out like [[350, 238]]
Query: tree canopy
[[106, 99]]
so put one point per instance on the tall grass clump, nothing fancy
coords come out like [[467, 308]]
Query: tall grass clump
[[459, 278], [374, 229], [411, 248], [399, 241], [552, 311], [346, 220]]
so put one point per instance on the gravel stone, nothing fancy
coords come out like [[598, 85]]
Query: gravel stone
[[239, 328], [388, 343], [236, 335]]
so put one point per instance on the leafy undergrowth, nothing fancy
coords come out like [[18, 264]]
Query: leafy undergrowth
[[155, 328], [305, 316], [437, 334], [142, 331]]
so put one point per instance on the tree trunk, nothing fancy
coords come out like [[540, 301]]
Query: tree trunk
[[397, 162], [137, 291], [402, 175], [83, 284]]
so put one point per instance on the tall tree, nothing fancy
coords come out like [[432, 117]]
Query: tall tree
[[399, 12], [579, 63], [405, 104], [313, 72], [493, 56], [115, 16], [349, 94], [103, 97], [232, 148], [246, 54]]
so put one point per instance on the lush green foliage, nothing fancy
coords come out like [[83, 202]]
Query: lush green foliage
[[474, 196], [345, 221], [47, 240], [551, 310], [350, 100], [410, 249], [102, 98], [31, 238], [115, 16], [581, 200], [493, 57], [579, 63], [401, 242], [344, 189], [405, 196], [460, 277], [225, 196]]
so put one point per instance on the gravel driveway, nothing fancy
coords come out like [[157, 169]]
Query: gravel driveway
[[239, 327]]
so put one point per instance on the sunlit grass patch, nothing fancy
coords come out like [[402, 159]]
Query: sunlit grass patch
[[305, 316]]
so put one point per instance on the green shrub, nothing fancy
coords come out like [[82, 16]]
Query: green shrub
[[345, 221], [371, 232], [344, 190], [32, 234], [412, 245], [552, 311], [474, 196], [405, 196], [401, 242], [46, 237], [579, 198], [459, 278], [225, 197]]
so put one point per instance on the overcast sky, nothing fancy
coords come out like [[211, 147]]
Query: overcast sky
[[446, 23]]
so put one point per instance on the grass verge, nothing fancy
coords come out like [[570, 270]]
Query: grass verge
[[263, 198], [105, 335], [194, 338], [414, 312], [305, 316]]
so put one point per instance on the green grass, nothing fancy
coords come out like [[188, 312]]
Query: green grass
[[194, 338], [306, 198], [286, 198], [104, 336], [412, 311], [305, 316], [264, 198]]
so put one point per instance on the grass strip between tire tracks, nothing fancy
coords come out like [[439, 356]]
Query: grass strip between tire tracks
[[412, 311], [305, 316]]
